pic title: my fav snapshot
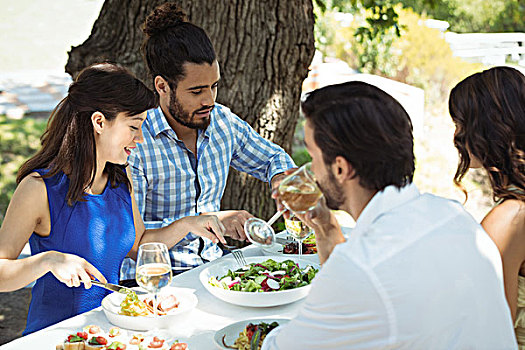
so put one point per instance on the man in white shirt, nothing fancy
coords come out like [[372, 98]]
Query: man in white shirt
[[417, 271]]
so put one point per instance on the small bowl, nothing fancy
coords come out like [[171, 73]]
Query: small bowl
[[111, 307]]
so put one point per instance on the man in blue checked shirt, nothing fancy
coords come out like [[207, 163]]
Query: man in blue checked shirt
[[190, 141]]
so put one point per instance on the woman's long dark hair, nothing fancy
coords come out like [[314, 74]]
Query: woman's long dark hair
[[488, 109], [68, 143]]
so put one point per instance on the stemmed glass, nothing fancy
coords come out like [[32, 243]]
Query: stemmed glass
[[153, 269], [299, 193], [298, 230]]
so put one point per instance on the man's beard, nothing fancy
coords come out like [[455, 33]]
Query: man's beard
[[334, 196], [184, 118]]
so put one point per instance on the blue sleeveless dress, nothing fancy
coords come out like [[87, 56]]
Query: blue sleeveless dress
[[100, 230]]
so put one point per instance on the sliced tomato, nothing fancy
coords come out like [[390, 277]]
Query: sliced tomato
[[250, 329], [94, 329], [74, 338], [156, 343], [101, 340], [82, 335], [136, 340], [179, 346]]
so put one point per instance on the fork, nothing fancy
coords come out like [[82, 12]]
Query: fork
[[239, 257]]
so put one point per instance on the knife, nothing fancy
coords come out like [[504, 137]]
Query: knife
[[283, 241], [116, 288]]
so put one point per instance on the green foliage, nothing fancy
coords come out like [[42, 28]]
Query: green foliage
[[475, 15], [408, 58], [19, 140], [301, 157], [430, 67], [377, 26], [373, 47], [374, 29]]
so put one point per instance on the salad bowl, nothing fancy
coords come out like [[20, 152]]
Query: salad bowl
[[210, 276]]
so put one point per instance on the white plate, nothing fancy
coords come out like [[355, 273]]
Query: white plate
[[232, 331], [277, 249], [253, 299], [111, 307]]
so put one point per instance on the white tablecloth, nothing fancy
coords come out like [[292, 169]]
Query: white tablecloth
[[197, 327]]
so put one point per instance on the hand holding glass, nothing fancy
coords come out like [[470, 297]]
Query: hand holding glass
[[153, 269], [299, 193]]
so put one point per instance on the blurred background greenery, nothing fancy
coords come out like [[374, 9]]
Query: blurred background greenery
[[384, 37], [19, 139]]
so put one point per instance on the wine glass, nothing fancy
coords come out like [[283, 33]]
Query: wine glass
[[153, 269], [298, 230], [299, 193]]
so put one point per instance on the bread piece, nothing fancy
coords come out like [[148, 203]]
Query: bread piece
[[74, 346]]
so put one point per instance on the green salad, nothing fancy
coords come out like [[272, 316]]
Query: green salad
[[268, 276]]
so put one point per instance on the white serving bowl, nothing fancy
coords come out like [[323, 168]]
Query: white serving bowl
[[253, 299], [111, 308]]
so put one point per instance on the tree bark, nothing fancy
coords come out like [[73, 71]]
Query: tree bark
[[264, 49]]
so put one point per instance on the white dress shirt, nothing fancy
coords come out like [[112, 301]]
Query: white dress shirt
[[416, 273]]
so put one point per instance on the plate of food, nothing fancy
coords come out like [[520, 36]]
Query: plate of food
[[247, 334], [93, 337], [136, 312], [264, 281], [289, 247]]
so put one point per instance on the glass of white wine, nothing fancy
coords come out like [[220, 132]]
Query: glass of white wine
[[298, 230], [299, 193], [153, 269]]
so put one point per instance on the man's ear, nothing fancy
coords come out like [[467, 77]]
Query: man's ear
[[342, 169], [161, 85], [99, 122]]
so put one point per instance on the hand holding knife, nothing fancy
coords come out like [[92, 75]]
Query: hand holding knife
[[116, 288]]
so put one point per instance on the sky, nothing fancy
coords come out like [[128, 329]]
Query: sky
[[37, 34]]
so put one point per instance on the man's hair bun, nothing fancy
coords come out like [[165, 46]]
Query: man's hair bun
[[163, 17]]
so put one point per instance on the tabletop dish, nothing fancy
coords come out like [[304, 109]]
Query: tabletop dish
[[253, 299], [93, 337], [111, 305], [277, 250], [232, 331]]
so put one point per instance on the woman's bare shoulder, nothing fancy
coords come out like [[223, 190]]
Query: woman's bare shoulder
[[32, 182], [511, 209], [508, 220]]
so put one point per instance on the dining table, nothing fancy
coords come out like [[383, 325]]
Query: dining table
[[196, 327]]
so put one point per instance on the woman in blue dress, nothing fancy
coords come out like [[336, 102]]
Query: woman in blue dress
[[74, 201]]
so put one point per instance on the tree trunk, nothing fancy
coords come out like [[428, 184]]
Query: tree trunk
[[264, 49]]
